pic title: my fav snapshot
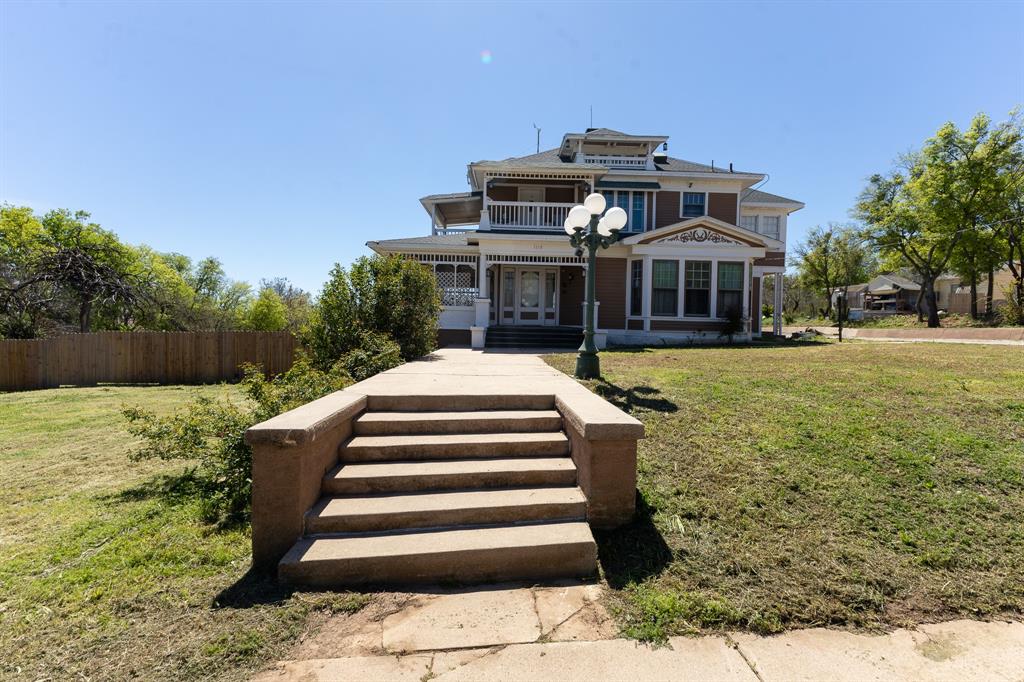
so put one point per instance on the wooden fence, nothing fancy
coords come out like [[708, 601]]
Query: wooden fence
[[140, 358]]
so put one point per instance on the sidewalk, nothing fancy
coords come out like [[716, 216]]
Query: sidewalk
[[1004, 336], [563, 633]]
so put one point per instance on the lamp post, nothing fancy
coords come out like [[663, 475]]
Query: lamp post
[[588, 230]]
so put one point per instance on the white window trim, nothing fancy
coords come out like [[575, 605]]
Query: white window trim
[[682, 204]]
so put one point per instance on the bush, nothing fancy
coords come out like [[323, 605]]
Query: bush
[[390, 295], [211, 433], [735, 323], [767, 310], [376, 353]]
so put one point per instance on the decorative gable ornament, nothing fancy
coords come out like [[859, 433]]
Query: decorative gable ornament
[[698, 235]]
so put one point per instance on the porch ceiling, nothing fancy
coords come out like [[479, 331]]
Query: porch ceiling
[[459, 208]]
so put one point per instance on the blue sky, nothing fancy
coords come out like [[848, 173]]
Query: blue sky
[[281, 136]]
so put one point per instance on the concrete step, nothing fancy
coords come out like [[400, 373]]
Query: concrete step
[[449, 474], [352, 514], [454, 446], [463, 555], [484, 421], [465, 402]]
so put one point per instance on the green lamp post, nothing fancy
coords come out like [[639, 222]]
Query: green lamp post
[[589, 231]]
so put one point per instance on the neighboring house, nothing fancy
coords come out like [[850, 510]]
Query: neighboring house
[[1002, 283], [895, 293], [698, 242]]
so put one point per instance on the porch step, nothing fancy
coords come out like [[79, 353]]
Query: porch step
[[397, 477], [484, 421], [533, 337], [463, 555], [454, 402], [452, 446], [346, 514]]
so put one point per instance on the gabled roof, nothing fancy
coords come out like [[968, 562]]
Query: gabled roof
[[758, 197], [733, 232]]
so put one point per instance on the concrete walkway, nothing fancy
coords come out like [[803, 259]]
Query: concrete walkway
[[999, 336], [562, 632]]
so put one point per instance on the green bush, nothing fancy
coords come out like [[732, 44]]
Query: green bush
[[211, 432], [376, 352], [735, 323], [390, 295], [767, 310]]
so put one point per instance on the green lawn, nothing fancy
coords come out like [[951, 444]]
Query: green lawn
[[819, 483], [106, 571]]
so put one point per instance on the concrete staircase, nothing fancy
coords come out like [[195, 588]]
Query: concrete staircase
[[430, 490], [519, 336]]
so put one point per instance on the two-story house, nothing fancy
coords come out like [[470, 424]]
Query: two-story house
[[699, 242]]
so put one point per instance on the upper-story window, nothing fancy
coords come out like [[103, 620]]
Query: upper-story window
[[633, 203], [693, 204], [768, 225]]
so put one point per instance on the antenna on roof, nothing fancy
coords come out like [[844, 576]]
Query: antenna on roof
[[538, 137], [591, 115]]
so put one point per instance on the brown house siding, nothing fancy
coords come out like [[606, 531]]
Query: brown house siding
[[635, 325], [772, 258], [722, 205], [668, 209], [687, 325], [503, 193], [611, 293], [560, 195], [571, 287]]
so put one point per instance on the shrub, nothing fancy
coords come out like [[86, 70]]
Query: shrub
[[385, 295], [211, 432], [767, 310], [735, 323], [376, 352], [267, 313]]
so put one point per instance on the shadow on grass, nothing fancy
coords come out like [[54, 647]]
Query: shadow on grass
[[634, 552], [634, 398], [254, 588], [173, 490]]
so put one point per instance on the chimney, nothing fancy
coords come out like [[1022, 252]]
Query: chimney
[[730, 167]]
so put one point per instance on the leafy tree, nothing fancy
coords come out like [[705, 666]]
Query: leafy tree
[[299, 303], [831, 259], [388, 295], [23, 309], [923, 210], [267, 313]]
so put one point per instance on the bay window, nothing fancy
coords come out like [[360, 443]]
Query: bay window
[[665, 288], [697, 294], [730, 288]]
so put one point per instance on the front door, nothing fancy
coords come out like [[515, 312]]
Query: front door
[[535, 296]]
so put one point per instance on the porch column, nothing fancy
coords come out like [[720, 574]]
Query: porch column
[[481, 306], [777, 306], [714, 288], [747, 312], [433, 219]]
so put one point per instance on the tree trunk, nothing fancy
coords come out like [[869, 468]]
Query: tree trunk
[[974, 296], [85, 316], [920, 305], [933, 308], [990, 292]]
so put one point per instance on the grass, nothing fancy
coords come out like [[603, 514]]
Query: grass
[[909, 321], [107, 571], [811, 484]]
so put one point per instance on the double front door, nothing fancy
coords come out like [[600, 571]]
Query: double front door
[[529, 295]]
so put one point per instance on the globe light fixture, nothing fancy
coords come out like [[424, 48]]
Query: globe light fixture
[[589, 231]]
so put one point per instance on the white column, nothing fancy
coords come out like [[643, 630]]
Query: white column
[[745, 303], [777, 306], [433, 219]]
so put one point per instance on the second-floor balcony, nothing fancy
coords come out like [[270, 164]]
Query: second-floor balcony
[[525, 215], [612, 161]]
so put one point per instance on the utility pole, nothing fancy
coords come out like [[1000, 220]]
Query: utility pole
[[538, 137]]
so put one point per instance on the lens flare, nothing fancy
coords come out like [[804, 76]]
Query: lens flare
[[485, 57]]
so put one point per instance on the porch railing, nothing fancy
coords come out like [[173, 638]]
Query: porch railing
[[458, 296], [634, 162], [528, 215]]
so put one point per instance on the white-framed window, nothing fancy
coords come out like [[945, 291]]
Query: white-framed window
[[633, 203], [665, 288], [749, 222], [769, 226], [697, 293], [693, 204]]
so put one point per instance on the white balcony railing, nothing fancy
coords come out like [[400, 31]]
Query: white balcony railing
[[527, 215], [634, 162]]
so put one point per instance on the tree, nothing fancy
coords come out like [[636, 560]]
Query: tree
[[1009, 217], [22, 308], [923, 210], [392, 296], [299, 303], [267, 313], [831, 259]]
